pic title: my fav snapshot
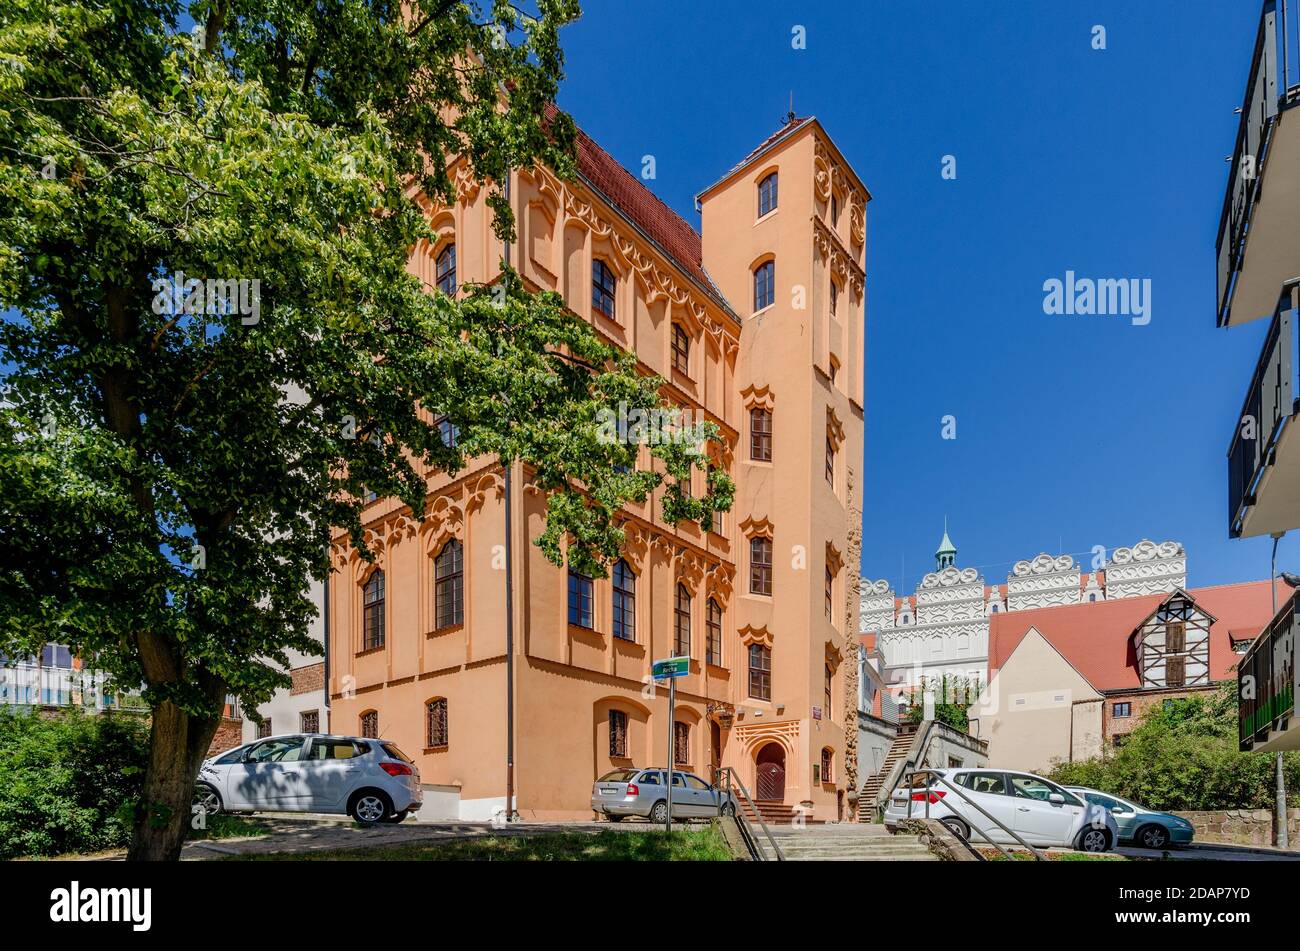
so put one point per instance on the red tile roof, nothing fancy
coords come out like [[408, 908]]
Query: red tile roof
[[1096, 637], [625, 192]]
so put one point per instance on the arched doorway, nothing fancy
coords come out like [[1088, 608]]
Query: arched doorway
[[769, 766]]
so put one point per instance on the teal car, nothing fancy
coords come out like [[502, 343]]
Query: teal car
[[1139, 826]]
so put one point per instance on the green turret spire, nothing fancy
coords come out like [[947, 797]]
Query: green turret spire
[[946, 556]]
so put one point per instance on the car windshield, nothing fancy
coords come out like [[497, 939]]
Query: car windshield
[[618, 776]]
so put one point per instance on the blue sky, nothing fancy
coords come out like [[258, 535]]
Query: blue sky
[[1074, 431]]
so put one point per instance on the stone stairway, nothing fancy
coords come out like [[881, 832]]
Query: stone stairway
[[774, 814], [867, 800], [844, 841]]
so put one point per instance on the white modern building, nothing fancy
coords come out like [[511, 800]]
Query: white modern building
[[301, 707], [942, 629]]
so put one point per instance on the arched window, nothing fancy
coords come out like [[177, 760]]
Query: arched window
[[449, 586], [370, 724], [624, 601], [760, 672], [995, 609], [681, 349], [682, 622], [681, 743], [828, 760], [580, 600], [372, 617], [446, 270], [713, 633], [767, 194], [760, 434], [617, 734], [760, 565], [764, 285], [435, 717], [603, 284]]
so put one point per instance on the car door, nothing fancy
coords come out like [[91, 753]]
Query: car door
[[330, 773], [988, 790], [700, 796], [684, 805], [271, 777], [1039, 820]]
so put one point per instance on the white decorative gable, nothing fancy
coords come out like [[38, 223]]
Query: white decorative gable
[[1043, 582], [1146, 568], [876, 606]]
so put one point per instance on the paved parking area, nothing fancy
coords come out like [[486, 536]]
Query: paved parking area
[[1212, 852]]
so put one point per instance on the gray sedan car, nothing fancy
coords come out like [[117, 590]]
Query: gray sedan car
[[642, 792]]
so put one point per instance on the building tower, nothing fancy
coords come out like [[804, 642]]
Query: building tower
[[946, 556]]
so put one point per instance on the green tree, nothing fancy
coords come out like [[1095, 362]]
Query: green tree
[[1184, 755], [953, 697], [170, 468]]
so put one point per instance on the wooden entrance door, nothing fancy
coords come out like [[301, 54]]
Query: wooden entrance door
[[770, 769]]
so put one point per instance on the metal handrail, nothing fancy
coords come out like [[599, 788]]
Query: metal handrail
[[731, 775], [916, 750], [1038, 856]]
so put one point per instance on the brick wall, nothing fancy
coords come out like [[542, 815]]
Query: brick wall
[[1140, 701], [307, 678], [230, 733]]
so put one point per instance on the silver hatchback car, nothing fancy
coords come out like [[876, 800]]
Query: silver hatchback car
[[370, 780], [642, 792]]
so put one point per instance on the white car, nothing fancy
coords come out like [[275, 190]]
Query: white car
[[370, 780], [1038, 810]]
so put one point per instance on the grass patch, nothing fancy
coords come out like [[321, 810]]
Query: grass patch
[[649, 845], [225, 826], [1019, 855]]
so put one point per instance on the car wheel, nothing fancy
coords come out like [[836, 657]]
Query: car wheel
[[1094, 840], [613, 818], [396, 816], [729, 809], [208, 798], [369, 806], [659, 812], [1152, 837], [957, 828]]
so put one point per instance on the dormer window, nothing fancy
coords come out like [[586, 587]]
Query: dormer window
[[603, 284], [767, 195]]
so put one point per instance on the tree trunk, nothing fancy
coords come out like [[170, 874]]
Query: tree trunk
[[178, 744]]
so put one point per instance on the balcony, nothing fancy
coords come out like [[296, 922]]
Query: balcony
[[33, 685], [1266, 685], [1257, 246], [1264, 457]]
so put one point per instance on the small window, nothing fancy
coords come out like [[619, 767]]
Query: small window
[[828, 757], [760, 434], [767, 195], [760, 672], [435, 714], [1176, 637], [449, 431], [830, 595], [370, 724], [617, 734], [449, 586], [681, 743], [835, 298], [713, 633], [760, 565], [264, 729], [1175, 671], [682, 622], [681, 350], [1122, 710], [309, 721], [828, 689], [830, 462], [446, 270], [835, 210], [372, 621], [580, 600], [764, 285], [624, 601], [603, 284]]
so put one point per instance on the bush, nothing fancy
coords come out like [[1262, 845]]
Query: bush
[[1184, 756], [67, 782]]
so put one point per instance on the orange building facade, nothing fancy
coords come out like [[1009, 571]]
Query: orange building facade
[[756, 322]]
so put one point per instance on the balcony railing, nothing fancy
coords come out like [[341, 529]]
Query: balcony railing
[[32, 685], [1273, 84], [1266, 678], [1269, 407]]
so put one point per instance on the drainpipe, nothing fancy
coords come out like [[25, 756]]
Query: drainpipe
[[510, 604], [325, 637], [1283, 837]]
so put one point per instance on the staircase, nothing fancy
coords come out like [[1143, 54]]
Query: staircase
[[867, 799], [774, 814], [838, 842]]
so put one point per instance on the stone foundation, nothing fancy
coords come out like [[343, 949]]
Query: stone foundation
[[1242, 826]]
